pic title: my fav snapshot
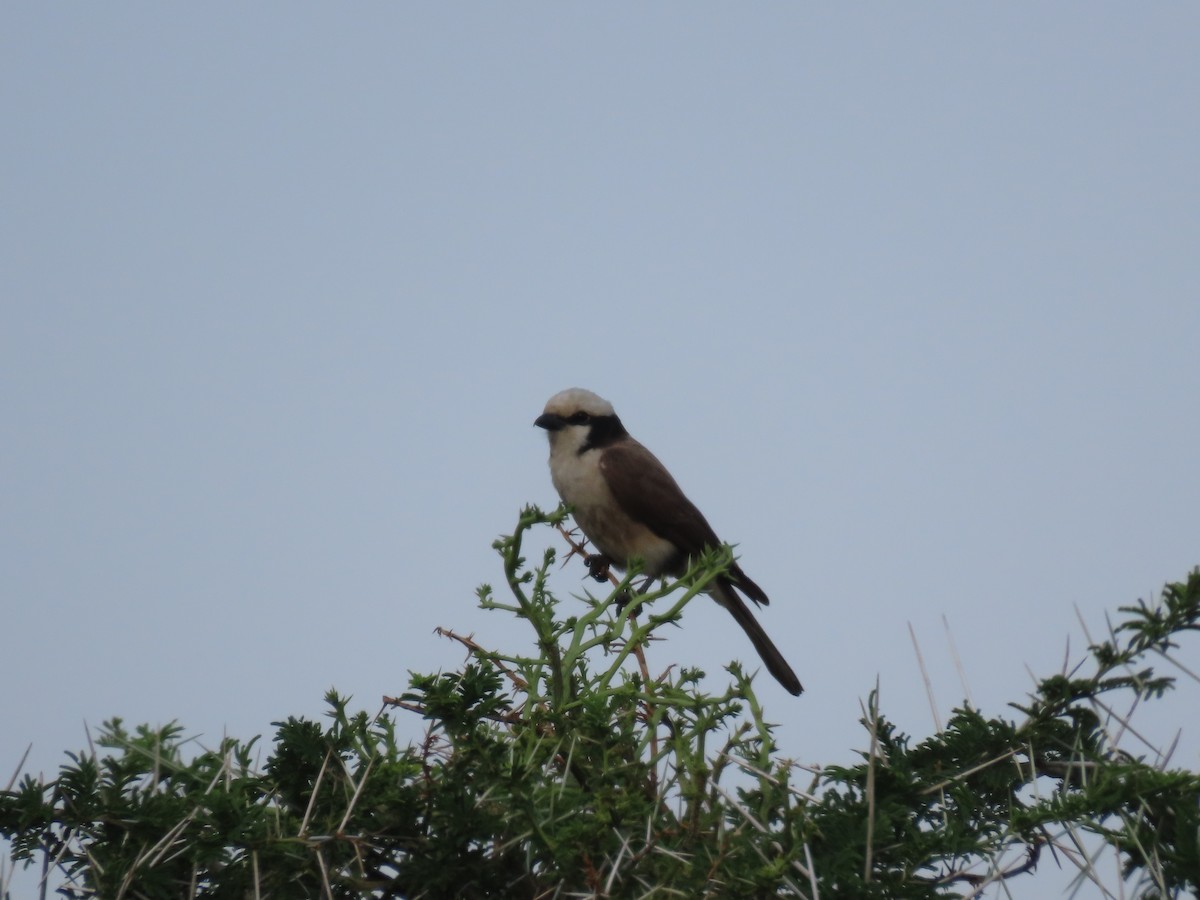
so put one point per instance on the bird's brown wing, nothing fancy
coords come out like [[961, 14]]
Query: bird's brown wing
[[645, 490], [647, 493]]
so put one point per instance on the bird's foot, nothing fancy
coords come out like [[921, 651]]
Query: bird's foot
[[598, 565], [622, 600]]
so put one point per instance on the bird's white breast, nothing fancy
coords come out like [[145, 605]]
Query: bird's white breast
[[580, 482]]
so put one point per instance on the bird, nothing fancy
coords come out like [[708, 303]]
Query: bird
[[628, 505]]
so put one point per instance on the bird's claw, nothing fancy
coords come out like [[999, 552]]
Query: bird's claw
[[623, 599], [598, 565]]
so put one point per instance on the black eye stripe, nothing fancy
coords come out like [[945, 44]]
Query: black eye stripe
[[602, 430]]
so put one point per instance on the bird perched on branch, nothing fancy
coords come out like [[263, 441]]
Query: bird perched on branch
[[630, 507]]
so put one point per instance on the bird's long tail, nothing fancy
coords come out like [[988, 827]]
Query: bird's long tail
[[724, 594]]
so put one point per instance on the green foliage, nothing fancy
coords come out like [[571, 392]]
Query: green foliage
[[568, 771]]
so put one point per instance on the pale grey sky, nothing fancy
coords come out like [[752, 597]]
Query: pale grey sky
[[905, 295]]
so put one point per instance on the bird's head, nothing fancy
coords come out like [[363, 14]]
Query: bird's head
[[577, 420]]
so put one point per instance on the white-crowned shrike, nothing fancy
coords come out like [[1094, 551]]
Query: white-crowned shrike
[[630, 507]]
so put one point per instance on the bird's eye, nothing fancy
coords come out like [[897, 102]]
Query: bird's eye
[[578, 418]]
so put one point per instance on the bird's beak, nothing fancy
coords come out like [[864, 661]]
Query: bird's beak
[[549, 421]]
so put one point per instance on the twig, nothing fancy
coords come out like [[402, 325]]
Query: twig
[[967, 772], [937, 721], [873, 719], [958, 664], [470, 644], [980, 882], [312, 798], [17, 772], [357, 792], [324, 874]]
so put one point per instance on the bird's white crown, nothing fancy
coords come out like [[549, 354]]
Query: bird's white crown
[[574, 400]]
